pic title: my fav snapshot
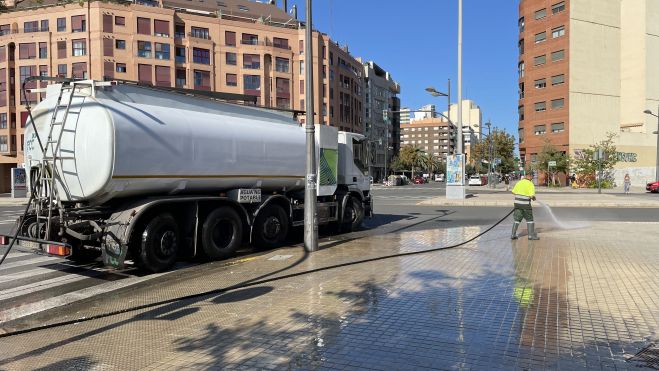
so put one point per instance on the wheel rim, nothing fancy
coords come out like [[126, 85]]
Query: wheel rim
[[167, 243], [222, 233], [271, 227]]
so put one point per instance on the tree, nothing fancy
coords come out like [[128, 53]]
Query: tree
[[586, 167], [503, 147], [548, 154], [396, 164], [431, 162], [411, 156]]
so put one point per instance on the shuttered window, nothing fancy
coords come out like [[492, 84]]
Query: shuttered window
[[143, 26], [78, 23], [230, 38], [163, 77], [3, 90], [3, 54], [202, 80], [144, 73], [79, 70], [61, 49], [232, 79], [107, 23], [108, 47], [120, 21], [27, 51], [161, 28]]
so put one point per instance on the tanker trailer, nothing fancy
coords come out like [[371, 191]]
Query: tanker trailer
[[151, 175]]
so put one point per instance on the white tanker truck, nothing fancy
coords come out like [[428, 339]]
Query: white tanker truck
[[154, 175]]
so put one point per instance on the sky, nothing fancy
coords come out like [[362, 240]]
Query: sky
[[416, 41]]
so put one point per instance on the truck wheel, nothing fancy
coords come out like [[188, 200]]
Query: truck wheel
[[221, 233], [160, 243], [270, 227], [353, 215]]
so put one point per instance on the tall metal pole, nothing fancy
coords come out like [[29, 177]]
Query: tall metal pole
[[489, 154], [448, 113], [460, 149], [310, 214], [386, 151]]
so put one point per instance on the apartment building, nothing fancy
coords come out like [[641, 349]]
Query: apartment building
[[380, 92], [471, 116], [587, 68], [432, 135], [233, 46]]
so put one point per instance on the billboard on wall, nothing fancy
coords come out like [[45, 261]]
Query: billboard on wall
[[18, 182], [455, 169]]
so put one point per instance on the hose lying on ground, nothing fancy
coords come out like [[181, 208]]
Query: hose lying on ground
[[245, 285]]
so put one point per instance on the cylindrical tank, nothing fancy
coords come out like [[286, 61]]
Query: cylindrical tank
[[128, 140]]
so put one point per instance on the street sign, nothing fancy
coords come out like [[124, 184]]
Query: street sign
[[551, 164]]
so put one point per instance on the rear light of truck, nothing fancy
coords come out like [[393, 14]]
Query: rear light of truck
[[58, 250], [4, 240]]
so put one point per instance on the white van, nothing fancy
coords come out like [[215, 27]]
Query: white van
[[439, 177]]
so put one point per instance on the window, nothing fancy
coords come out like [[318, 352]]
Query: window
[[252, 84], [3, 120], [231, 59], [539, 60], [163, 76], [27, 51], [120, 44], [161, 28], [230, 38], [202, 80], [540, 83], [61, 49], [520, 69], [32, 26], [520, 113], [179, 31], [558, 127], [202, 56], [557, 103], [557, 32], [331, 58], [121, 67], [558, 79], [144, 73], [534, 157], [558, 7], [143, 26], [79, 47], [251, 61], [249, 39], [108, 69], [232, 79], [78, 23], [45, 25], [180, 54], [162, 53], [4, 147], [301, 67], [119, 21], [541, 106], [200, 33], [539, 129], [280, 43], [557, 55], [61, 24], [302, 86], [520, 134], [540, 37], [107, 23], [282, 87], [520, 46], [539, 14], [61, 70], [521, 90], [301, 47], [79, 70], [282, 64], [108, 47], [144, 49], [180, 78], [520, 25]]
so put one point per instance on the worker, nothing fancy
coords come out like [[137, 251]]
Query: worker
[[524, 192]]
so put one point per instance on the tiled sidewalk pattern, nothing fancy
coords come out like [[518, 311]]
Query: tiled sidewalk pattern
[[577, 298]]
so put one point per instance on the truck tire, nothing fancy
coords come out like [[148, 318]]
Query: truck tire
[[353, 215], [159, 244], [270, 227], [221, 234]]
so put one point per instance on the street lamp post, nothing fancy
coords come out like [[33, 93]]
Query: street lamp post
[[310, 211], [656, 170], [436, 93]]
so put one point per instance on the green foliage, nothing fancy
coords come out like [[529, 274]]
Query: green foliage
[[502, 145], [551, 153], [471, 169], [396, 164], [586, 167], [433, 163], [411, 157]]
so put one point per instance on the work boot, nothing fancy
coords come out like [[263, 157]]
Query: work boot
[[513, 235], [531, 229]]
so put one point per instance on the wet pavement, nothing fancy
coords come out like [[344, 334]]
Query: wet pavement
[[579, 298]]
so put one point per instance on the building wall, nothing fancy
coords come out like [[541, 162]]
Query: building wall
[[432, 135], [337, 104], [471, 115]]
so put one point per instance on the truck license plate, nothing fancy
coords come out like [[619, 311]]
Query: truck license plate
[[249, 195]]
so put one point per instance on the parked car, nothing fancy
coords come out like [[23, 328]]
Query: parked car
[[439, 177], [419, 180], [475, 180], [652, 187]]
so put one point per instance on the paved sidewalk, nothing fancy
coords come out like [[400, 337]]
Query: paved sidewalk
[[581, 298]]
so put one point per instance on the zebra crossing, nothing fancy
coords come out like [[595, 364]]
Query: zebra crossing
[[32, 283], [9, 217]]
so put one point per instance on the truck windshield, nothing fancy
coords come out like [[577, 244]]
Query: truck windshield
[[359, 151]]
